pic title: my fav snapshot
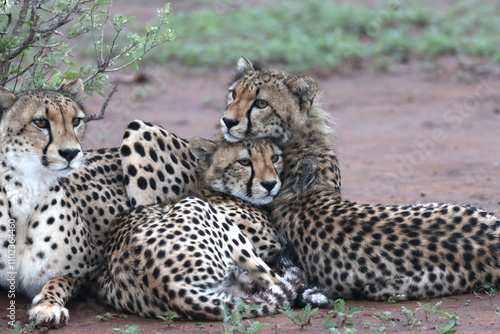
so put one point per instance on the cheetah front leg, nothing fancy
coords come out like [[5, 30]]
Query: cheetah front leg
[[48, 306]]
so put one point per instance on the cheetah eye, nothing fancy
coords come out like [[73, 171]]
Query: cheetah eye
[[261, 104], [275, 158], [231, 97], [76, 121], [41, 123], [245, 162]]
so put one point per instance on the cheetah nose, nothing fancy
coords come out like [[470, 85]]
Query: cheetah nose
[[269, 185], [69, 154], [229, 122]]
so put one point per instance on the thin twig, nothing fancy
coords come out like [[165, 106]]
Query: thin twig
[[96, 117], [94, 39], [27, 41], [24, 70], [129, 62], [103, 27], [17, 77], [54, 26], [9, 21], [21, 18]]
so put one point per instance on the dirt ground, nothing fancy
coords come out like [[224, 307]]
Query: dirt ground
[[403, 137]]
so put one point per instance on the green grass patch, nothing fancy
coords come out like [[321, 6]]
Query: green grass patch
[[318, 34]]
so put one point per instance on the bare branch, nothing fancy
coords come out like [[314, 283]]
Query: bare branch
[[58, 20], [54, 26], [129, 62], [96, 117], [99, 42], [21, 18], [97, 50]]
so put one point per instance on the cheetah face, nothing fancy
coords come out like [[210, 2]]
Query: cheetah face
[[265, 104], [248, 170], [40, 131]]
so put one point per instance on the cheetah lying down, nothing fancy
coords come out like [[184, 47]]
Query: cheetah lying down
[[193, 256], [41, 227], [367, 251]]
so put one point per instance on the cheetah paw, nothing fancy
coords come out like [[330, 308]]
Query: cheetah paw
[[316, 296], [48, 313]]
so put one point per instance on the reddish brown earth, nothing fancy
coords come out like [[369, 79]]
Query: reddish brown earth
[[402, 137]]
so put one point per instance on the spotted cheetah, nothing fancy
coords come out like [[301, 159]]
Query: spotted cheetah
[[359, 251], [95, 191], [46, 243], [159, 167], [192, 257]]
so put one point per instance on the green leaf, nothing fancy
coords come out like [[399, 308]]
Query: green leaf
[[71, 75]]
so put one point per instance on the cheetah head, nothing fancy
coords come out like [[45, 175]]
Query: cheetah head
[[266, 104], [41, 130], [248, 170]]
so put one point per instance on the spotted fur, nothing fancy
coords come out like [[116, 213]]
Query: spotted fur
[[40, 133], [369, 251], [192, 257], [158, 165], [99, 193]]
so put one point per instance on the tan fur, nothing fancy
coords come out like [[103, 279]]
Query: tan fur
[[191, 257], [160, 167], [291, 109], [20, 134], [40, 133], [223, 171], [358, 250]]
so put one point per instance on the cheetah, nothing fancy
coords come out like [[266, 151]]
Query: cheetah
[[358, 250], [46, 243], [191, 257]]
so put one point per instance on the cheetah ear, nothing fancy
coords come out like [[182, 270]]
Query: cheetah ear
[[7, 99], [244, 66], [305, 88], [202, 149], [74, 88]]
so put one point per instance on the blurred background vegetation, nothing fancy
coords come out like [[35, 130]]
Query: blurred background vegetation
[[311, 35], [317, 35]]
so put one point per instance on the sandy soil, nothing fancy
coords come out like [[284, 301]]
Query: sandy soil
[[403, 137]]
